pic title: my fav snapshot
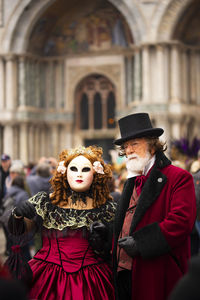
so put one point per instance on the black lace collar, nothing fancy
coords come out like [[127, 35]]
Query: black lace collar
[[59, 218]]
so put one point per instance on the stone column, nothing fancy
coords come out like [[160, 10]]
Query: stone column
[[192, 76], [58, 85], [16, 141], [37, 142], [22, 82], [31, 143], [104, 109], [31, 83], [43, 141], [160, 71], [54, 140], [68, 136], [162, 121], [24, 155], [184, 75], [10, 83], [50, 84], [65, 137], [2, 84], [137, 72], [175, 74], [146, 90], [198, 77], [42, 90], [175, 129], [8, 140], [1, 138], [129, 80], [37, 80]]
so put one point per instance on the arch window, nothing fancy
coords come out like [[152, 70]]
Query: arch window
[[84, 112], [111, 110], [95, 103], [97, 111]]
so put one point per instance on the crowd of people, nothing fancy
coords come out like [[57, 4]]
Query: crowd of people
[[96, 236], [18, 183]]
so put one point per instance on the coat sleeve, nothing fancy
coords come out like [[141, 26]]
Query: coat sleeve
[[196, 179], [162, 237]]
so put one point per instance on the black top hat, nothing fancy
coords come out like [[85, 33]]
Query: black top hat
[[136, 126]]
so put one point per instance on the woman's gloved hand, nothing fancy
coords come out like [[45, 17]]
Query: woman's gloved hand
[[100, 239], [25, 209], [98, 235], [98, 228], [129, 244]]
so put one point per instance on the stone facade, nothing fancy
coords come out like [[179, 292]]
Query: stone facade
[[135, 45]]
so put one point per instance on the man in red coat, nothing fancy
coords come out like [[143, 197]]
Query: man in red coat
[[155, 216]]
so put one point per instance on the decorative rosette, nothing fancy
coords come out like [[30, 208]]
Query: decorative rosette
[[61, 167], [97, 166]]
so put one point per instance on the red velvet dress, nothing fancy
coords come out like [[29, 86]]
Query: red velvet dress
[[66, 267]]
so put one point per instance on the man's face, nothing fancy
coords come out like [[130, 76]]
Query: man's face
[[80, 174], [136, 146], [6, 164], [138, 154]]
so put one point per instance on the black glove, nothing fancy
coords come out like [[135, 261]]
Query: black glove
[[98, 228], [98, 235], [100, 239], [25, 209], [129, 245]]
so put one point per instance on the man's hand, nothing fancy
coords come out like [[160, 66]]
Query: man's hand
[[129, 245]]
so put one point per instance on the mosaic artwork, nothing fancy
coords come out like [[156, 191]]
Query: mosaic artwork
[[101, 27]]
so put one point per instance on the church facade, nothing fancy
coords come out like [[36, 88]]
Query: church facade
[[70, 69]]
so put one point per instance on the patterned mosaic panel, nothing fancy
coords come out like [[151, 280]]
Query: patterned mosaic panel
[[78, 27]]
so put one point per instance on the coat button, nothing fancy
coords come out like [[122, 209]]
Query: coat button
[[160, 179]]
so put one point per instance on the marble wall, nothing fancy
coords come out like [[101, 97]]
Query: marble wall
[[151, 66]]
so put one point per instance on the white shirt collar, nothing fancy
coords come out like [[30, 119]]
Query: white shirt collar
[[149, 165], [146, 169]]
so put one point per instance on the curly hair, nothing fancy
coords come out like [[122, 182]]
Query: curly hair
[[99, 189]]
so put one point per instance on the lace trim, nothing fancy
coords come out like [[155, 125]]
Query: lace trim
[[55, 217]]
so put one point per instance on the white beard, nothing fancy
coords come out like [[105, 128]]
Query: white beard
[[136, 164]]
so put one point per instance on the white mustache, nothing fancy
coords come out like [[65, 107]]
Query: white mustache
[[131, 156]]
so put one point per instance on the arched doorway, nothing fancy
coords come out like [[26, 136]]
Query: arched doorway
[[95, 111]]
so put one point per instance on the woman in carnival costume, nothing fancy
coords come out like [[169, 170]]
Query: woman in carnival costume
[[76, 223]]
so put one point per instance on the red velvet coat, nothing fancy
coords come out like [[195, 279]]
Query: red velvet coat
[[161, 226]]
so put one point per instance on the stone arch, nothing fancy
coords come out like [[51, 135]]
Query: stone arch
[[91, 89], [170, 17], [22, 20], [79, 73], [133, 16], [28, 11], [89, 74]]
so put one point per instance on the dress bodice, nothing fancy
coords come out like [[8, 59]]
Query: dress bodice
[[65, 232], [69, 249]]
